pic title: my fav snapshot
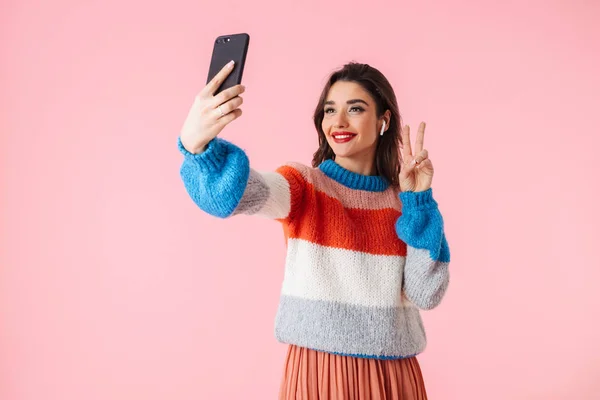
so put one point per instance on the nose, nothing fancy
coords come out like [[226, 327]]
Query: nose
[[340, 121]]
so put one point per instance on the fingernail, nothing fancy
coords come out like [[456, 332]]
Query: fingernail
[[413, 162], [230, 64]]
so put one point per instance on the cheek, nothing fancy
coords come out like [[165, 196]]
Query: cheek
[[366, 127]]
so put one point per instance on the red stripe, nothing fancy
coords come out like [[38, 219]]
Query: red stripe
[[323, 220]]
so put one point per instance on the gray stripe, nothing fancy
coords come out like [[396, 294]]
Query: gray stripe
[[425, 280], [255, 196], [348, 329]]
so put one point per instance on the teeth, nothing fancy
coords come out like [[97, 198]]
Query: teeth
[[342, 136]]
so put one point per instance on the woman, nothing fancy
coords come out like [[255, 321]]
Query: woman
[[366, 247]]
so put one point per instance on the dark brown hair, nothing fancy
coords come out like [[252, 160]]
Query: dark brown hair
[[387, 156]]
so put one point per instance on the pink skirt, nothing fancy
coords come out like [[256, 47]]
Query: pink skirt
[[315, 375]]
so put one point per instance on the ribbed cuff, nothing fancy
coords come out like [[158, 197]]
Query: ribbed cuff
[[211, 159], [418, 200]]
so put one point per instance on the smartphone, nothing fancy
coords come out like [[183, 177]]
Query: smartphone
[[229, 47]]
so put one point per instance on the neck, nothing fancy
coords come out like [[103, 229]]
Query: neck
[[363, 164]]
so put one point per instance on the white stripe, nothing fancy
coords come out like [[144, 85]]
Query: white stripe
[[279, 201], [331, 274]]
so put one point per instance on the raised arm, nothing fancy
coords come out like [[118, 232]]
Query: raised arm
[[421, 226]]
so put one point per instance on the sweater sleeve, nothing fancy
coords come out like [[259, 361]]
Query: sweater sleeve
[[221, 183], [421, 227]]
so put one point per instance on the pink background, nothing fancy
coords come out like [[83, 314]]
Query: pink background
[[113, 285]]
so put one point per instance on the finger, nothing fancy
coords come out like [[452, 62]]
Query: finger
[[426, 163], [421, 156], [409, 167], [407, 172], [229, 106], [235, 114], [426, 166], [228, 94], [406, 148], [420, 138], [212, 86]]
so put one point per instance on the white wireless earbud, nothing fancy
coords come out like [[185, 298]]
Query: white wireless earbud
[[382, 129]]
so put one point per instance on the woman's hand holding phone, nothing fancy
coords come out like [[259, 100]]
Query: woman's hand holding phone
[[209, 114]]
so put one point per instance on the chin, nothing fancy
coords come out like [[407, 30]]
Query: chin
[[345, 154], [341, 151]]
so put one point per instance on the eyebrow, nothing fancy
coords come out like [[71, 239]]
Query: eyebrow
[[353, 101]]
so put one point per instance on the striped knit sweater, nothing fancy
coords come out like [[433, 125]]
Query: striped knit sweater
[[362, 259]]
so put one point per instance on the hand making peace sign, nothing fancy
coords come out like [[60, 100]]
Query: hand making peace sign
[[416, 172]]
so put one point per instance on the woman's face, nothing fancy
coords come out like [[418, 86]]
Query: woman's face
[[350, 121]]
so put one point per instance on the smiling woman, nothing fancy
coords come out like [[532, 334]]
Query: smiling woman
[[365, 238]]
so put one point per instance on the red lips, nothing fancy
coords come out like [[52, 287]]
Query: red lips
[[343, 137]]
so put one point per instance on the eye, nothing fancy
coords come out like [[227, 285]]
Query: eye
[[327, 110], [359, 109]]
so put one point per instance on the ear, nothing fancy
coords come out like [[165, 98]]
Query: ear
[[387, 116]]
